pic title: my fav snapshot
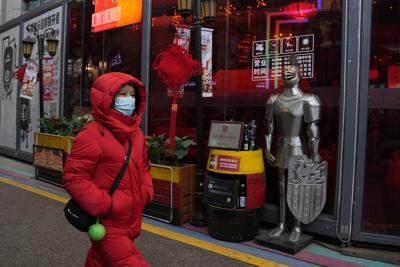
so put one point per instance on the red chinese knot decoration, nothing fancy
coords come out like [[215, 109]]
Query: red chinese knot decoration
[[175, 66]]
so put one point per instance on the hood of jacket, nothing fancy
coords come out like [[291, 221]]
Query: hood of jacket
[[102, 95]]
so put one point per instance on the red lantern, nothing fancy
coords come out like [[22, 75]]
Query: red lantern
[[301, 10]]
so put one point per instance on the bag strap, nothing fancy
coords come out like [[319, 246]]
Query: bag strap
[[122, 170]]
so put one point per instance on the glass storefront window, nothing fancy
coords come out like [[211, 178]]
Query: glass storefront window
[[245, 73], [95, 53], [73, 73], [381, 206]]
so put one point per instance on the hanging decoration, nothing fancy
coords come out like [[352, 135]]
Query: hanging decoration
[[300, 10], [175, 66]]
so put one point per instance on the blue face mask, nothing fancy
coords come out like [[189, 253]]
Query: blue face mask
[[125, 105]]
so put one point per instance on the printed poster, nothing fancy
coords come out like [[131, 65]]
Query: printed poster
[[30, 80], [48, 80], [206, 58], [182, 38], [9, 64]]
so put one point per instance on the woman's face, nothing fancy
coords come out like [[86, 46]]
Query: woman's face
[[126, 90]]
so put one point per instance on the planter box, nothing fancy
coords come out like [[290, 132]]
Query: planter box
[[54, 141], [49, 154], [173, 193]]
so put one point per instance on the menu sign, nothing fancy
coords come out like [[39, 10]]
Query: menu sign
[[220, 192]]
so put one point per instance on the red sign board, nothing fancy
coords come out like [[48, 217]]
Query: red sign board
[[111, 14], [225, 163]]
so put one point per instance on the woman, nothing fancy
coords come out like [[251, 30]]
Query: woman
[[118, 103]]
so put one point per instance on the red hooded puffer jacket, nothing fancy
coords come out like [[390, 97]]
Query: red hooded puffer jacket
[[97, 156]]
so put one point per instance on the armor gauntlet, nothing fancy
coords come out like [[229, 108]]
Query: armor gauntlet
[[312, 114], [269, 117]]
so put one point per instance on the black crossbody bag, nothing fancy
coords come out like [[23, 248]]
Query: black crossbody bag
[[78, 217]]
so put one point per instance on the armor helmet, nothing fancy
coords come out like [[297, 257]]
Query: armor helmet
[[291, 75]]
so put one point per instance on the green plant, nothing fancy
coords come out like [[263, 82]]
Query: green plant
[[77, 123], [156, 148], [159, 152], [53, 125], [64, 126], [183, 145]]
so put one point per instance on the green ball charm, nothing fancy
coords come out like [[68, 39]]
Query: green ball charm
[[97, 231]]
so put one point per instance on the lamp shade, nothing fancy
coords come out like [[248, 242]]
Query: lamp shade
[[52, 44], [301, 10], [185, 7], [27, 47], [208, 9]]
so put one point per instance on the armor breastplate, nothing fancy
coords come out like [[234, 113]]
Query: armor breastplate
[[289, 114]]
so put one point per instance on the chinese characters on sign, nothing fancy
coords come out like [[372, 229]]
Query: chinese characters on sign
[[111, 14], [226, 135], [271, 56], [49, 20], [306, 62], [226, 163], [106, 16]]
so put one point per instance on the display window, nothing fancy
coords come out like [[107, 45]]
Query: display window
[[251, 41], [381, 208], [92, 53]]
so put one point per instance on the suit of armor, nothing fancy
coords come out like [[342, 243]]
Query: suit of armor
[[293, 112]]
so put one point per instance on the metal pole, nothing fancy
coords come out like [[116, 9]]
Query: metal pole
[[40, 74], [146, 56], [198, 218]]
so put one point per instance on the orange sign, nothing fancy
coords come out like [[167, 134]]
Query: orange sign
[[111, 14]]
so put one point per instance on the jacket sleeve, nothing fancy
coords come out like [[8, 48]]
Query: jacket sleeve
[[77, 176], [147, 186]]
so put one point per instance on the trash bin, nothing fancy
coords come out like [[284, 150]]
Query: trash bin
[[234, 192]]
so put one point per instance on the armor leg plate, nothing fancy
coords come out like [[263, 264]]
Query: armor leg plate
[[296, 232], [280, 228]]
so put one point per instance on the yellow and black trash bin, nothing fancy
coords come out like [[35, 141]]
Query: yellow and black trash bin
[[234, 192]]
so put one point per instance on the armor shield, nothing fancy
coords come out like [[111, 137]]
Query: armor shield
[[306, 188]]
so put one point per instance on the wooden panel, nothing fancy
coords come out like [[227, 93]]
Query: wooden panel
[[187, 200], [182, 189], [186, 209]]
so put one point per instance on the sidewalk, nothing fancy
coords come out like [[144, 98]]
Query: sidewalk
[[21, 175]]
